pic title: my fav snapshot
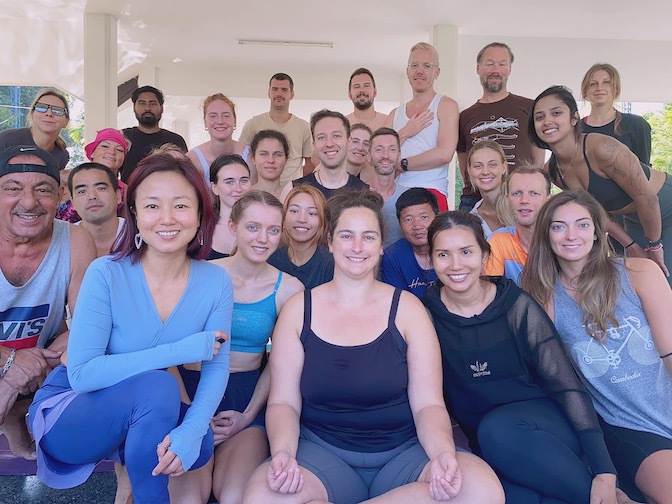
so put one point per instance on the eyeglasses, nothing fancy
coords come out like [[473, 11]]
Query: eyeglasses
[[43, 107], [426, 66]]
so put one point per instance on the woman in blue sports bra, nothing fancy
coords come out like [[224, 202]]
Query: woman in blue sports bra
[[219, 118], [259, 292], [609, 171]]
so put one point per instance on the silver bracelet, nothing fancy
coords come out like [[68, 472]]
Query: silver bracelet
[[8, 363]]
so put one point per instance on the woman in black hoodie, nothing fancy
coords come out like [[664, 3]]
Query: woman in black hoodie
[[507, 379]]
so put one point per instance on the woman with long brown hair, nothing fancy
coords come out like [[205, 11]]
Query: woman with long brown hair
[[610, 172], [611, 314]]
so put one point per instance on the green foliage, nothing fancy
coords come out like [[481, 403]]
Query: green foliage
[[661, 138]]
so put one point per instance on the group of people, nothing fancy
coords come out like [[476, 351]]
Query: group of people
[[330, 244]]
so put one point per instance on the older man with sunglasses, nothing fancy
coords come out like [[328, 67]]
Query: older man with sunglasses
[[48, 115]]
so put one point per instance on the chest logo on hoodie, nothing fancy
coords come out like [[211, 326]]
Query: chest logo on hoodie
[[480, 369]]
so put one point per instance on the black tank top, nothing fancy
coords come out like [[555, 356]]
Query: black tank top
[[355, 397], [610, 195]]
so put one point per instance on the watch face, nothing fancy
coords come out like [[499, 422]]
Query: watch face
[[404, 164]]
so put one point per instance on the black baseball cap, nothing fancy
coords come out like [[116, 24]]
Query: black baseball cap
[[49, 168]]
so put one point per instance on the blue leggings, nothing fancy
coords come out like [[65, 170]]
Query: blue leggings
[[536, 453], [134, 416]]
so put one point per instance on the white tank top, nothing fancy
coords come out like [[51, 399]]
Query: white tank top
[[435, 178]]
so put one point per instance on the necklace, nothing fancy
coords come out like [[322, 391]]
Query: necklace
[[317, 177], [576, 148], [568, 287]]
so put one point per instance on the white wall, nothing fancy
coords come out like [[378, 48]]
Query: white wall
[[539, 63]]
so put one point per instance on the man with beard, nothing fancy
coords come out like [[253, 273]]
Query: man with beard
[[278, 118], [330, 131], [499, 115], [385, 153], [147, 135], [362, 91], [42, 263]]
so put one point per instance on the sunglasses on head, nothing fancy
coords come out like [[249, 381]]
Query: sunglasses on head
[[43, 107]]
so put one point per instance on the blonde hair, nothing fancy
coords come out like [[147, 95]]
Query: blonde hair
[[425, 46], [615, 88], [60, 143]]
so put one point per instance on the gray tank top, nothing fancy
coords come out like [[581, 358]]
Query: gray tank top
[[628, 381], [30, 315]]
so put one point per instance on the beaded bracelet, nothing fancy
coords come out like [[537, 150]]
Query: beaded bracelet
[[8, 363]]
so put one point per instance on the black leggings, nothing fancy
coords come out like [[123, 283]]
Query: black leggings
[[536, 453]]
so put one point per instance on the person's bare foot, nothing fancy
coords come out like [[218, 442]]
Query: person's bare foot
[[622, 498], [15, 430]]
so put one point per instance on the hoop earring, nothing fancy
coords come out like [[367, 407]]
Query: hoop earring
[[138, 241]]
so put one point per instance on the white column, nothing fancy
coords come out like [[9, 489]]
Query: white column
[[445, 39], [181, 127], [100, 73]]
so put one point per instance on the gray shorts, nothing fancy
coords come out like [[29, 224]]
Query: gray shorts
[[352, 477]]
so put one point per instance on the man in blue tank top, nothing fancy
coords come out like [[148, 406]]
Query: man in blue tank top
[[43, 262]]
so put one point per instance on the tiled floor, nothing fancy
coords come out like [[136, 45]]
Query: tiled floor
[[18, 485], [99, 489]]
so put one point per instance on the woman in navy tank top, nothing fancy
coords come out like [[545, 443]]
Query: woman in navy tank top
[[355, 410]]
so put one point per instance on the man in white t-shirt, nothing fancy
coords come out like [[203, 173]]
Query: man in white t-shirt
[[297, 131]]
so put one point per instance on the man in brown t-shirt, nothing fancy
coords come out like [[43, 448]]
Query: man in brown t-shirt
[[498, 115]]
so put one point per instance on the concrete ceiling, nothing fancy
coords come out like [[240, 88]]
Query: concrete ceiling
[[46, 35], [554, 43]]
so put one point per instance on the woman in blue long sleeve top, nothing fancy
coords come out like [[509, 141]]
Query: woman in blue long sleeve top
[[150, 306]]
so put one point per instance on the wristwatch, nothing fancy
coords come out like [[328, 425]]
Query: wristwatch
[[404, 164]]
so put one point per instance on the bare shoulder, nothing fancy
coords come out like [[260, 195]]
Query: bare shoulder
[[293, 307], [642, 271], [411, 312], [603, 147], [390, 117], [289, 286], [447, 101], [82, 246], [447, 104]]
